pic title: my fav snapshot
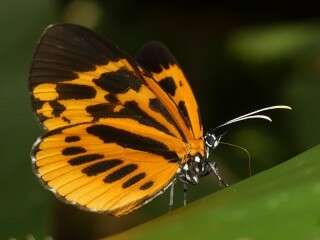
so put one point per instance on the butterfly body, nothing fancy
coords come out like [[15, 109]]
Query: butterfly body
[[117, 130]]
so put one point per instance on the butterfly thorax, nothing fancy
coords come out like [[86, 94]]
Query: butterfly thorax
[[198, 164], [196, 147], [191, 171], [195, 165]]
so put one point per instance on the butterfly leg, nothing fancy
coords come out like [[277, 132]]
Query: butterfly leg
[[185, 189], [171, 196], [215, 170]]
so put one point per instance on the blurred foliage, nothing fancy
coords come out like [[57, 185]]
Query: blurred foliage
[[275, 204], [236, 61], [25, 208], [273, 43]]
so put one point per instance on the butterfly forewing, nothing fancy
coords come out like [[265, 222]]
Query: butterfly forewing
[[158, 60], [78, 77]]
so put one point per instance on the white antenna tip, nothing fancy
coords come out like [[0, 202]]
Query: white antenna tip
[[281, 107]]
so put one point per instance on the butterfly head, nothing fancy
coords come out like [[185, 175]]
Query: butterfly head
[[211, 140]]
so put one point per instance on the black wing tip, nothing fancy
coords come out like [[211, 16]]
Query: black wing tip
[[154, 44], [83, 41], [76, 28], [85, 47], [79, 29], [63, 25], [154, 55]]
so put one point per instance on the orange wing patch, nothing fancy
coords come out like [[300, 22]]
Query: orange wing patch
[[105, 167], [66, 102], [158, 60]]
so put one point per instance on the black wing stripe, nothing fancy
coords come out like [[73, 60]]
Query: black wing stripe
[[131, 140], [120, 173], [101, 167], [85, 159]]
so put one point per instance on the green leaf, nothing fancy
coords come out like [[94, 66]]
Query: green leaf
[[280, 203]]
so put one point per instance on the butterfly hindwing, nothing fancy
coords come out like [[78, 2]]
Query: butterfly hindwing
[[106, 167], [157, 59]]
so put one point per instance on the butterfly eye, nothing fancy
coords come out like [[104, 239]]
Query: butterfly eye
[[211, 140]]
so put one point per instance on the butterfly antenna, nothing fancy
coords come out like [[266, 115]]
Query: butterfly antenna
[[254, 115], [242, 149]]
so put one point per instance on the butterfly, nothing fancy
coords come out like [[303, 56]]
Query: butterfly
[[118, 130]]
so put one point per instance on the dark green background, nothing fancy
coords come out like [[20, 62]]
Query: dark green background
[[237, 58]]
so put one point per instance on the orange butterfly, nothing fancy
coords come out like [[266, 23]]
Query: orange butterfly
[[119, 131]]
